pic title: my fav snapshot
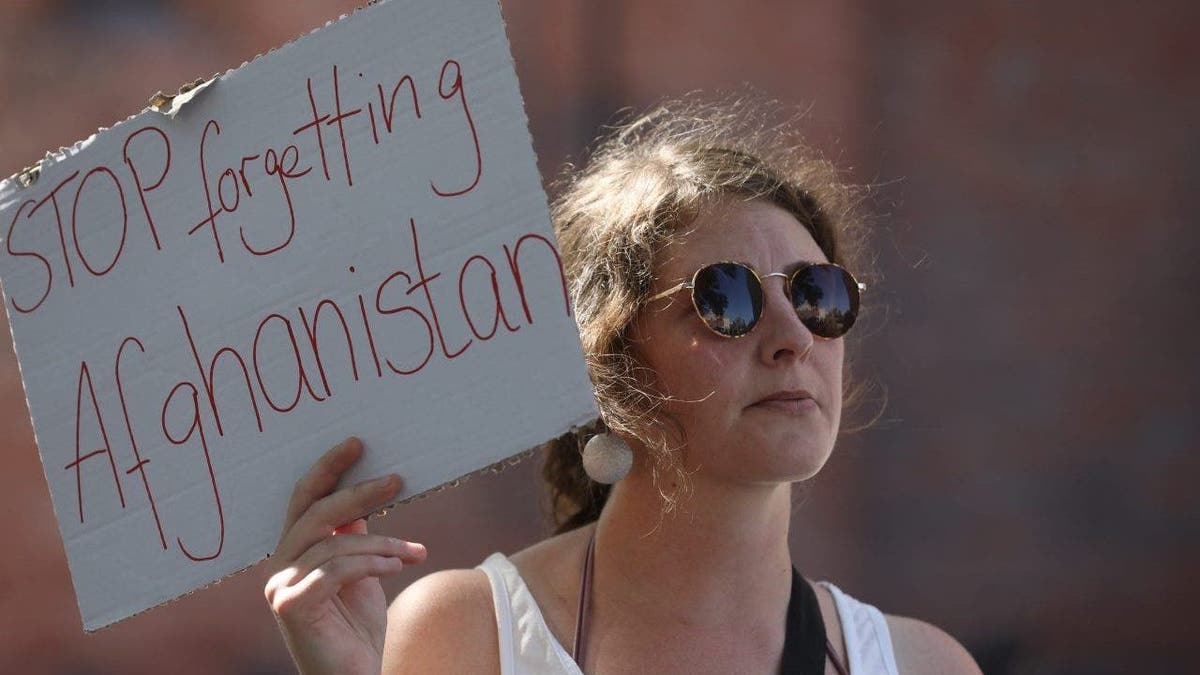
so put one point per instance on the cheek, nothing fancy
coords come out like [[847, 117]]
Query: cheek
[[700, 379], [834, 376], [696, 371]]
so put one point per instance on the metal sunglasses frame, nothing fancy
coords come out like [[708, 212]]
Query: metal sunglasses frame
[[691, 285]]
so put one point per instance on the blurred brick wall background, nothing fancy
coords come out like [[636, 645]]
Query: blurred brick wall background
[[1030, 486]]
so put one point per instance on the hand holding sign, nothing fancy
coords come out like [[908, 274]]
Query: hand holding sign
[[325, 589]]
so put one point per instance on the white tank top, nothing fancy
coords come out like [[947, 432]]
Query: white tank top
[[528, 647]]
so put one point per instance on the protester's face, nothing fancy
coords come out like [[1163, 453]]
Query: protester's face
[[718, 384]]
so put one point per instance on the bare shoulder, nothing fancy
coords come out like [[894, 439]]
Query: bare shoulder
[[921, 647], [551, 570], [443, 622]]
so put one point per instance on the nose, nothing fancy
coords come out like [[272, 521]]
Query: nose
[[784, 337]]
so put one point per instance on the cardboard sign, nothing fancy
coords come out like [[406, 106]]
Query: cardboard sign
[[347, 235]]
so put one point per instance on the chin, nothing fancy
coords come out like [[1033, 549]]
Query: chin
[[789, 464], [763, 452], [806, 470]]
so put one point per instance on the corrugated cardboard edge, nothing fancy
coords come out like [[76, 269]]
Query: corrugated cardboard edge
[[28, 176]]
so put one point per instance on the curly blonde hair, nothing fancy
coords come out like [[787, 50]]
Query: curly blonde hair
[[646, 181]]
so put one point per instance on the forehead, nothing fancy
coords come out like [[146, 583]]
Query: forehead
[[755, 232]]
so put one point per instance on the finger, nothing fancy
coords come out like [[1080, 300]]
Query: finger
[[322, 478], [336, 510], [344, 545], [323, 583]]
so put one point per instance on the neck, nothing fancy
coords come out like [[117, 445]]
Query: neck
[[722, 553]]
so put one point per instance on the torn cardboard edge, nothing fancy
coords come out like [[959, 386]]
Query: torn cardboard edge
[[171, 104], [28, 176], [499, 467], [496, 468]]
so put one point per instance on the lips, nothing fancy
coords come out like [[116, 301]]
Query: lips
[[787, 400]]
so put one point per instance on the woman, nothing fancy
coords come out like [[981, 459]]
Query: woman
[[707, 259]]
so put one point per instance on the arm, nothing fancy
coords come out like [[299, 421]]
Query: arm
[[924, 648], [443, 623]]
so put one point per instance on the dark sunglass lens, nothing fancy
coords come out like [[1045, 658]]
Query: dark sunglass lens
[[826, 299], [728, 298]]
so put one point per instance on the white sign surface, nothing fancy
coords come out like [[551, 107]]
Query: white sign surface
[[347, 235]]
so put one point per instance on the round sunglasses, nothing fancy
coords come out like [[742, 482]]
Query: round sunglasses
[[728, 296]]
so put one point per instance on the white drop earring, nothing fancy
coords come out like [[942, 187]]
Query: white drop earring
[[607, 458]]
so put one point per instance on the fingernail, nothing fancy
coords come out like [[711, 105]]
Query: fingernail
[[409, 546], [388, 482], [341, 448]]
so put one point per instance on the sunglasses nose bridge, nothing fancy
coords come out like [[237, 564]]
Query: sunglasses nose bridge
[[783, 301], [785, 290]]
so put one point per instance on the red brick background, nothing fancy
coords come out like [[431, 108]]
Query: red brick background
[[1031, 484]]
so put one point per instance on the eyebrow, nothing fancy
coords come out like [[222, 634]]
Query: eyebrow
[[789, 269]]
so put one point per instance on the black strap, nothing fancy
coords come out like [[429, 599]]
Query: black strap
[[805, 644]]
